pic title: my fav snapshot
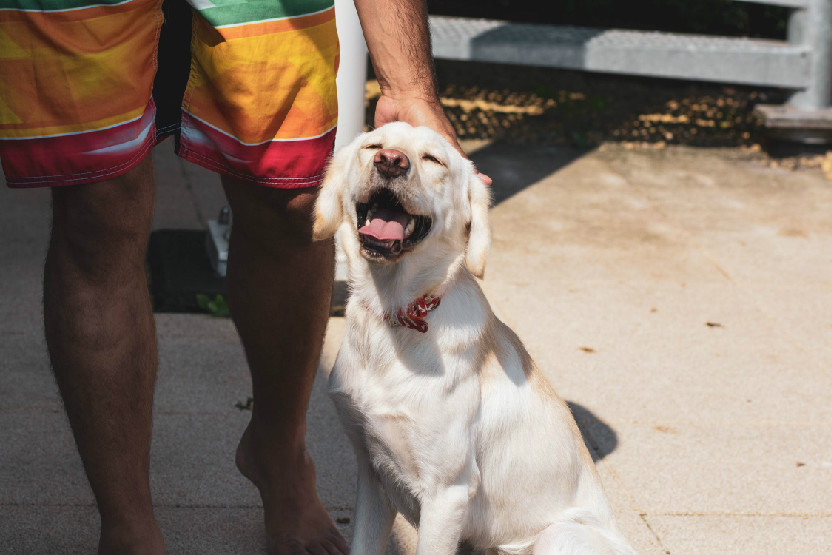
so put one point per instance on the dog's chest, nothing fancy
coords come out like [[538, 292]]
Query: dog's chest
[[400, 420], [392, 421], [390, 441]]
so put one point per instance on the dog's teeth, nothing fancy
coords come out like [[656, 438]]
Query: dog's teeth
[[371, 212], [411, 225]]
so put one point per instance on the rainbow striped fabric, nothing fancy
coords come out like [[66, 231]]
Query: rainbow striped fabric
[[76, 83]]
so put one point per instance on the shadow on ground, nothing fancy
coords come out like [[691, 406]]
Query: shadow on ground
[[512, 168], [599, 437]]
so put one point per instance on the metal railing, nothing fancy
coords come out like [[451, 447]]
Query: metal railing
[[801, 63]]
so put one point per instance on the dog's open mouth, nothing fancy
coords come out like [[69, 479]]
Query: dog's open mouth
[[385, 228]]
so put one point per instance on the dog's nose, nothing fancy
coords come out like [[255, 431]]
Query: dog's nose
[[390, 162]]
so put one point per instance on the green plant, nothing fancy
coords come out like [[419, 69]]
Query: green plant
[[247, 405], [217, 307]]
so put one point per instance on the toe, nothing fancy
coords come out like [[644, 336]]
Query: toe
[[333, 549], [338, 544]]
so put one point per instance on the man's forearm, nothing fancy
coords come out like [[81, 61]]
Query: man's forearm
[[398, 38]]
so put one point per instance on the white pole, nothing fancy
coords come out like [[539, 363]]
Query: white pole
[[352, 73], [811, 27], [351, 79]]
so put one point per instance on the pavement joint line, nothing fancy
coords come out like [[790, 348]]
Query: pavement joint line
[[39, 504], [704, 422], [208, 506], [642, 517], [37, 409], [162, 505], [171, 412], [740, 515], [631, 500]]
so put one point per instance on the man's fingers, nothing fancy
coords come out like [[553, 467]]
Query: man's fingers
[[417, 111], [455, 143]]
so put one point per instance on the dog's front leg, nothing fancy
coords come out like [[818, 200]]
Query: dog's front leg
[[441, 520], [373, 514]]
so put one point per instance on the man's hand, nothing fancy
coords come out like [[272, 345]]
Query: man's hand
[[398, 38], [419, 112]]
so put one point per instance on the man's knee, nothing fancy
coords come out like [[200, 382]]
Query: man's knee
[[269, 214], [298, 215], [104, 225]]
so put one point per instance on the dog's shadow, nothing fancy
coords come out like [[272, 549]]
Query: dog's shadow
[[599, 437]]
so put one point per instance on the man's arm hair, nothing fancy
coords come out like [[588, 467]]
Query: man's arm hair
[[398, 39]]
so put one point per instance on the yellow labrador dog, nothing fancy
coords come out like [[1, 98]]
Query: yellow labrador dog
[[453, 425]]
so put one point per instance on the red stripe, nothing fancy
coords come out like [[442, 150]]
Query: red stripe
[[281, 164], [79, 158]]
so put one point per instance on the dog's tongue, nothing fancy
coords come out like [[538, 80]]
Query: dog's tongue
[[386, 225]]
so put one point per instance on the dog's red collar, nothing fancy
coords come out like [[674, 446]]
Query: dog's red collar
[[413, 316]]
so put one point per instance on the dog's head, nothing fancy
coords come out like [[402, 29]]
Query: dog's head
[[401, 189]]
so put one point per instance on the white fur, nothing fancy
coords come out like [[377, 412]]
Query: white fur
[[454, 428]]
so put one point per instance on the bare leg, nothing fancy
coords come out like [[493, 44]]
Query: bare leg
[[279, 284], [101, 340]]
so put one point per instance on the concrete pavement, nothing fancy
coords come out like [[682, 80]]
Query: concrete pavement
[[679, 299]]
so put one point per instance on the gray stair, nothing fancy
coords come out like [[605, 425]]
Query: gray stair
[[656, 54]]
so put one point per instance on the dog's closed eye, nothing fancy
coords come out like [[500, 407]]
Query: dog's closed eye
[[374, 146], [431, 158]]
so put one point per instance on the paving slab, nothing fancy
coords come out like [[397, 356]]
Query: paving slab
[[187, 195], [39, 465], [629, 518], [768, 229], [737, 469], [27, 383], [40, 528], [741, 535], [24, 234]]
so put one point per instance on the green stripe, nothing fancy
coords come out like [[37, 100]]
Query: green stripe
[[235, 12], [224, 12], [53, 5]]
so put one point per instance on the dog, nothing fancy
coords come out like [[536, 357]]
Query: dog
[[452, 423]]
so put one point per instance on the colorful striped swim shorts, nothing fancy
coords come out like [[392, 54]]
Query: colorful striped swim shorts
[[246, 87]]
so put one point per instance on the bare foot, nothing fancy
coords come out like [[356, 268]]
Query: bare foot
[[141, 538], [296, 520]]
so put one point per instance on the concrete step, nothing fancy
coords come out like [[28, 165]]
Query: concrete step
[[795, 124], [656, 54]]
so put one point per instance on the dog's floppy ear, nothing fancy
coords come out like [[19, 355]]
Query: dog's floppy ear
[[479, 237], [329, 207]]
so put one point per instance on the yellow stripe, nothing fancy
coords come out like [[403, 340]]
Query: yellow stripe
[[60, 75], [258, 88], [56, 130], [7, 116]]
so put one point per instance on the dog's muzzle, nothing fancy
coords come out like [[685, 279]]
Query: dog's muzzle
[[385, 229]]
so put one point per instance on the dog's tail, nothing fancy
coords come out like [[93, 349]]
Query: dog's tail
[[579, 532]]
